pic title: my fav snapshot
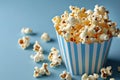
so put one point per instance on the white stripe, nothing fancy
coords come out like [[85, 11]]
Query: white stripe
[[100, 57], [62, 50], [79, 58], [106, 52], [68, 59], [86, 57], [94, 57], [73, 57], [58, 37]]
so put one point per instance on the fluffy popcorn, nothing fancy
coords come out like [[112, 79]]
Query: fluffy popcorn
[[53, 49], [41, 71], [85, 26], [112, 78], [37, 47], [90, 77], [54, 57], [119, 35], [24, 42], [105, 72], [45, 37], [65, 76], [26, 30], [104, 37], [38, 57], [118, 68]]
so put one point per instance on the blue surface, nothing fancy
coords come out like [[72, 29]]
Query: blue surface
[[15, 63]]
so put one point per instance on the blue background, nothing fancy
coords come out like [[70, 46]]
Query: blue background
[[15, 63]]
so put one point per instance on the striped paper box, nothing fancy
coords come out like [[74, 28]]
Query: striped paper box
[[83, 58]]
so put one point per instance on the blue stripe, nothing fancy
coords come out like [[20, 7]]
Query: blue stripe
[[60, 47], [108, 50], [90, 57], [76, 58], [97, 56], [103, 55], [83, 57], [64, 53], [70, 56]]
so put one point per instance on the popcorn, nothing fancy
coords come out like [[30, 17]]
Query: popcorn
[[105, 72], [38, 57], [45, 37], [90, 77], [65, 76], [118, 68], [24, 42], [112, 78], [54, 57], [85, 26], [104, 37], [37, 47], [26, 30], [41, 71]]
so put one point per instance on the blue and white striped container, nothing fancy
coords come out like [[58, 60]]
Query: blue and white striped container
[[83, 58]]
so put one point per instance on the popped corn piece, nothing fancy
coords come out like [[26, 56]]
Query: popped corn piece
[[45, 37], [112, 78], [54, 57], [118, 68], [24, 42], [38, 57], [105, 72], [37, 47], [90, 77], [26, 30], [53, 49], [104, 37], [65, 76], [41, 71], [56, 20], [119, 35]]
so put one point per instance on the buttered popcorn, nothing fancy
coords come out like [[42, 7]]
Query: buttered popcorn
[[37, 47], [24, 42], [41, 71], [90, 77], [65, 76], [54, 57], [85, 26], [105, 72]]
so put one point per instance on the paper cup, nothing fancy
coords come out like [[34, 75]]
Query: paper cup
[[83, 58]]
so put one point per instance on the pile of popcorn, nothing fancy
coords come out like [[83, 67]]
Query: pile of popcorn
[[105, 72], [85, 26]]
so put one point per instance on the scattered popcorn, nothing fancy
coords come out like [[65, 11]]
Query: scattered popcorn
[[54, 57], [112, 78], [41, 71], [118, 68], [53, 49], [105, 72], [37, 47], [45, 37], [90, 77], [65, 76], [38, 57], [24, 42], [85, 26], [26, 30]]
